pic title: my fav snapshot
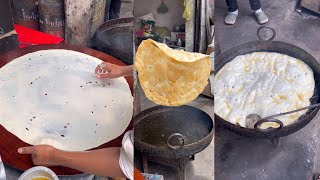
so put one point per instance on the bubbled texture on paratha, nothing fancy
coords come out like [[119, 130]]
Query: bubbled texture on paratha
[[171, 77], [262, 83]]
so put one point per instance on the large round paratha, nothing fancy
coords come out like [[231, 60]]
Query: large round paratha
[[262, 83], [53, 97], [171, 77]]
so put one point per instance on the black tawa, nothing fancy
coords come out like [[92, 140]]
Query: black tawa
[[172, 132], [279, 47]]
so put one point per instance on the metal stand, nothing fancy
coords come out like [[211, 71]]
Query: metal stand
[[180, 164], [275, 142]]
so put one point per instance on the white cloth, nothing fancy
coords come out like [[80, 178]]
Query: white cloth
[[126, 155]]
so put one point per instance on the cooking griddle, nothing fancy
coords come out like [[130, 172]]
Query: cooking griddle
[[9, 143], [115, 37], [172, 135], [172, 132]]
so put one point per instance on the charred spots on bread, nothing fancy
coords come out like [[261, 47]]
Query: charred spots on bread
[[27, 129], [62, 135]]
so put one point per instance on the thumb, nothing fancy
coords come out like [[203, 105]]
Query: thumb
[[26, 150]]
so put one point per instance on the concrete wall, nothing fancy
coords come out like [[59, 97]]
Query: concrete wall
[[170, 19]]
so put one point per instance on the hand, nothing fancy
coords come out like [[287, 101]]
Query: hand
[[41, 154], [108, 70]]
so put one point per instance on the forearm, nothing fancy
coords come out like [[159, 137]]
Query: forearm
[[127, 70], [102, 162]]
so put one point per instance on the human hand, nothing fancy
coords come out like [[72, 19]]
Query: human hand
[[44, 155], [108, 70]]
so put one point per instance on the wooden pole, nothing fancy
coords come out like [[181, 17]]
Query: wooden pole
[[82, 20]]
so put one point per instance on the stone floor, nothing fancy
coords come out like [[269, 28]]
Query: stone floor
[[297, 156], [299, 29]]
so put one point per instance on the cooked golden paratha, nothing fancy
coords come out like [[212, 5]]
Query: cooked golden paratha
[[171, 77]]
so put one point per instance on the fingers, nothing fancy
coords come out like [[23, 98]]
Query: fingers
[[107, 75], [97, 70], [30, 150], [108, 66], [103, 68], [36, 161], [26, 150]]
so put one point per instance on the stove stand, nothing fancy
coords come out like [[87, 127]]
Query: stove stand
[[275, 142], [179, 164]]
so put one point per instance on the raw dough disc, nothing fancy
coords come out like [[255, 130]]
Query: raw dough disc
[[52, 97]]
